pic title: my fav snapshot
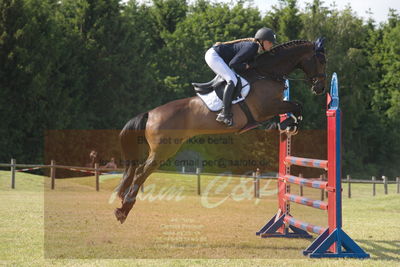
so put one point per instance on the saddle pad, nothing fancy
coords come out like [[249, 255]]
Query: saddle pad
[[214, 103]]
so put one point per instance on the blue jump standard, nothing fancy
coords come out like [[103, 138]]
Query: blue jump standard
[[270, 230], [319, 248]]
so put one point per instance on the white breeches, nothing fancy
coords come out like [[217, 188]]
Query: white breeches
[[218, 65]]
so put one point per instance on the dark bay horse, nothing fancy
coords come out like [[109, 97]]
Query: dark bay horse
[[152, 137]]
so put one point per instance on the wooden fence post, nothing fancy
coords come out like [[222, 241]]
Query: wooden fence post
[[13, 162], [198, 181], [256, 182], [373, 186], [349, 186], [398, 185], [96, 172], [258, 187], [301, 187], [385, 184], [52, 174]]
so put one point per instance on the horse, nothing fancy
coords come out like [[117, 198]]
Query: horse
[[152, 137]]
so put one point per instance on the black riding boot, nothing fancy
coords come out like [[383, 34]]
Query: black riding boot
[[225, 115]]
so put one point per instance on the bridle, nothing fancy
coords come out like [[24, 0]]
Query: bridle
[[320, 55], [313, 79]]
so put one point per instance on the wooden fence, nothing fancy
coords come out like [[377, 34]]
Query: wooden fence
[[97, 171]]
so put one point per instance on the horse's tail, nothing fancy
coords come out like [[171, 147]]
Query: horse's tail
[[134, 149]]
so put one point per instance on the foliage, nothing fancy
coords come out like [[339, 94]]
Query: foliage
[[93, 64]]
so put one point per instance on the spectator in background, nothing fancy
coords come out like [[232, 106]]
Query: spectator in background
[[93, 159], [111, 164]]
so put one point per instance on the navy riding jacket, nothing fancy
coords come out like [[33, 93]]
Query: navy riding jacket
[[236, 55]]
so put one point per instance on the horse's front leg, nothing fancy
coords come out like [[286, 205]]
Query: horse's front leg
[[290, 125]]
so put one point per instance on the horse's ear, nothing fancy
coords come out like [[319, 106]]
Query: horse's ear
[[319, 44]]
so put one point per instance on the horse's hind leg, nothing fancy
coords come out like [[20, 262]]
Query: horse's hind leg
[[141, 174], [126, 181]]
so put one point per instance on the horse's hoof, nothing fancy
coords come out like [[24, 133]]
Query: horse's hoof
[[120, 215], [292, 131]]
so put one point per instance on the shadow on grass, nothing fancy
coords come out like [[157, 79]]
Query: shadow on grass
[[381, 249]]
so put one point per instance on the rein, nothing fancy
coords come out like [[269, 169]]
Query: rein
[[319, 75], [282, 77]]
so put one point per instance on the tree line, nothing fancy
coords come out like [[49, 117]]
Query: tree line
[[94, 64]]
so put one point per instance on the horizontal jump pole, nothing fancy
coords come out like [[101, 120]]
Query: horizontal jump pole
[[306, 201], [303, 225], [306, 162], [309, 182]]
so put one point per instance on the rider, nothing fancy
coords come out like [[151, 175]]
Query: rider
[[235, 54]]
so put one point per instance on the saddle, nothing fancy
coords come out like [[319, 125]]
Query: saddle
[[212, 94], [218, 85]]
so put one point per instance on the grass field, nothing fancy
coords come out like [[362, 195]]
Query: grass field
[[171, 226]]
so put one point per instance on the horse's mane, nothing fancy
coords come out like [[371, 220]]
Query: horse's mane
[[280, 49], [288, 45]]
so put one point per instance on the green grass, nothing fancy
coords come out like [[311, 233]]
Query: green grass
[[74, 225]]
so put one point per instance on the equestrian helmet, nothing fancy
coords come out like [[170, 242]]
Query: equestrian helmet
[[266, 34]]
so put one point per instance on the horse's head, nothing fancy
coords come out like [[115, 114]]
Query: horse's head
[[314, 67], [284, 58]]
